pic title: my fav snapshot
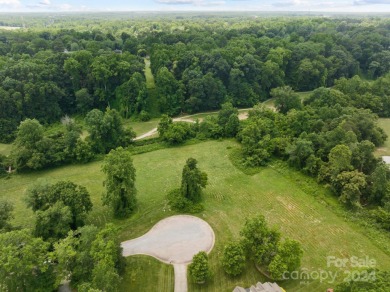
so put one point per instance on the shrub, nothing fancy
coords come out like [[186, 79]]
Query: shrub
[[199, 268], [233, 260]]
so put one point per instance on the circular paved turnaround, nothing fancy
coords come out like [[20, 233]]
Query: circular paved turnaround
[[174, 240]]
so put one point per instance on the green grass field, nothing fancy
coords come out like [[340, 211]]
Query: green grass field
[[292, 202], [5, 149], [385, 149]]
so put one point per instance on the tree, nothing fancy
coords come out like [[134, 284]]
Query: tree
[[164, 124], [299, 152], [25, 262], [106, 252], [286, 99], [42, 196], [92, 258], [260, 241], [178, 132], [120, 182], [193, 180], [234, 259], [73, 254], [379, 183], [53, 223], [6, 209], [350, 184], [28, 142], [288, 258], [84, 100], [30, 132], [169, 91], [339, 160], [107, 131], [228, 120], [199, 268]]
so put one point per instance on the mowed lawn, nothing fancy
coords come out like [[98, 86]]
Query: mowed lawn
[[385, 149], [310, 217]]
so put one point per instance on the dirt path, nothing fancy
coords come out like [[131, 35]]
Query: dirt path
[[174, 240], [242, 115]]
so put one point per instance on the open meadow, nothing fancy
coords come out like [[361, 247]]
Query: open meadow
[[292, 202]]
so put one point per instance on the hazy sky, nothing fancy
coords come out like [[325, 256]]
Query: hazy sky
[[196, 5]]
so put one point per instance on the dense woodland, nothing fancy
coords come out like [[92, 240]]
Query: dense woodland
[[93, 71], [48, 72]]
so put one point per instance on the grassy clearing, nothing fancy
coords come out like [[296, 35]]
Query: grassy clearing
[[147, 274], [385, 149], [5, 149], [142, 127], [305, 212]]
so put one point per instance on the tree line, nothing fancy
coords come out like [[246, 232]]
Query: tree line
[[52, 71]]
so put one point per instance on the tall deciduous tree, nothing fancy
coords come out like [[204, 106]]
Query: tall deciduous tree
[[259, 240], [285, 99], [193, 180], [120, 182]]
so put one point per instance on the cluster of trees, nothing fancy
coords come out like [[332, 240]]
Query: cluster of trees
[[263, 245], [59, 208], [60, 247], [46, 85], [89, 257], [57, 68], [225, 125], [245, 62], [324, 139], [35, 148]]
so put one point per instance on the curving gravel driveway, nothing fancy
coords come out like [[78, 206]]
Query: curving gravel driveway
[[174, 240]]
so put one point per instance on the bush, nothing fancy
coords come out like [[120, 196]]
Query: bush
[[234, 259], [179, 203], [144, 116], [199, 268], [178, 132]]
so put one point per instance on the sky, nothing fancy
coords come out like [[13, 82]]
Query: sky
[[195, 5]]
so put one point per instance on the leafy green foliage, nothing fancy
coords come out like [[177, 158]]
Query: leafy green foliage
[[234, 259], [199, 269], [6, 209], [106, 130], [192, 181], [263, 245], [59, 208], [92, 258], [25, 262], [288, 258], [286, 99], [120, 192], [53, 223], [376, 281], [260, 241]]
